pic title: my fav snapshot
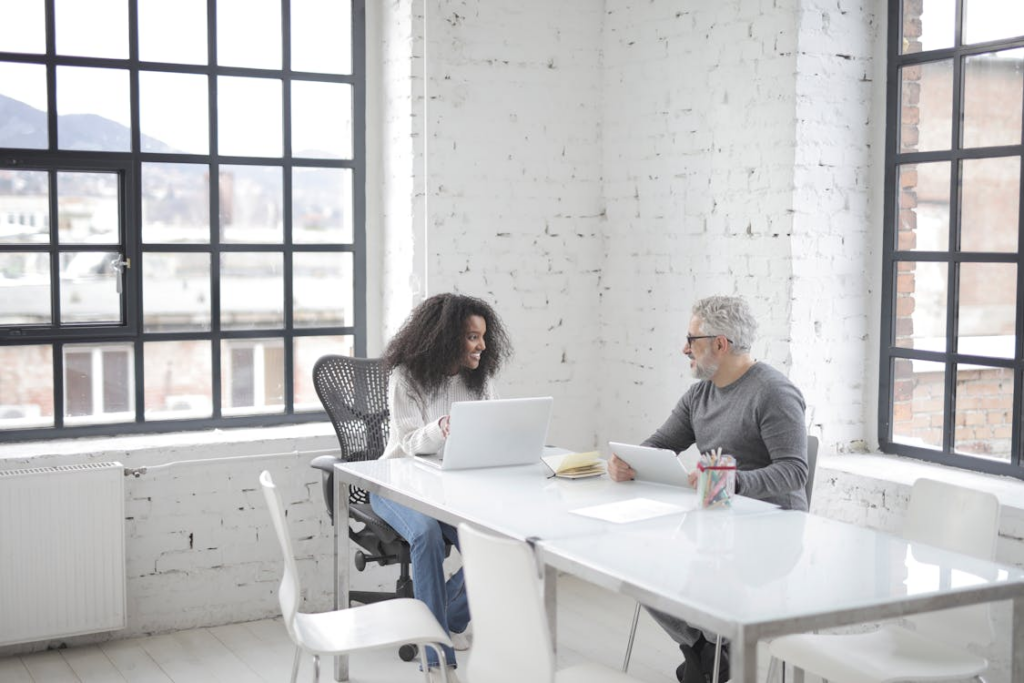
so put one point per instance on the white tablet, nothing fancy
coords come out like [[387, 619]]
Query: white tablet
[[657, 465]]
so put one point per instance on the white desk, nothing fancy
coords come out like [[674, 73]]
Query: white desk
[[747, 573]]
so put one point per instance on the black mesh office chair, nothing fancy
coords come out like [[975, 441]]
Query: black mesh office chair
[[354, 392]]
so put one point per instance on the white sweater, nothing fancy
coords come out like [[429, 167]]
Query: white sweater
[[414, 420]]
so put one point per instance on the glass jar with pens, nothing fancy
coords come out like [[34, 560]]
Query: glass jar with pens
[[716, 483]]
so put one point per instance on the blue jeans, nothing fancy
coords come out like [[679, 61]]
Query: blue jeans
[[426, 537]]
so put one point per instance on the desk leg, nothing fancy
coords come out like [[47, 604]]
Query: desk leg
[[341, 564], [743, 659], [1017, 641], [551, 603]]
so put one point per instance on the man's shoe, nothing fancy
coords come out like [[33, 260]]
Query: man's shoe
[[707, 658], [691, 670]]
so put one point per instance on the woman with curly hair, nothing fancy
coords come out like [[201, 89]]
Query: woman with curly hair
[[448, 350]]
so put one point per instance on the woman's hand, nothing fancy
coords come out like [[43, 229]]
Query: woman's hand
[[445, 423], [619, 469]]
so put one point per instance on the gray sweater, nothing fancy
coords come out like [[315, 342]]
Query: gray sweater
[[758, 419]]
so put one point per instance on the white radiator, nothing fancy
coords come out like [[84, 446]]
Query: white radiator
[[62, 570]]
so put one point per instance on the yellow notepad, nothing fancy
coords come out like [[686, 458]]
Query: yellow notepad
[[576, 465]]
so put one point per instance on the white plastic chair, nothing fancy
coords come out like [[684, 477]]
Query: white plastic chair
[[511, 639], [381, 625], [940, 515]]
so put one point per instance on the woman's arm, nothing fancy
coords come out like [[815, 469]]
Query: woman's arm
[[413, 429]]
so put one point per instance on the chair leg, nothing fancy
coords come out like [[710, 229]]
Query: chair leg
[[316, 668], [295, 663], [718, 659], [632, 635]]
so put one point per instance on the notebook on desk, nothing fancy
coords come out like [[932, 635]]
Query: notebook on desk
[[497, 433]]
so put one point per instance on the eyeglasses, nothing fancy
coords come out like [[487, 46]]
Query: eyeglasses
[[690, 340]]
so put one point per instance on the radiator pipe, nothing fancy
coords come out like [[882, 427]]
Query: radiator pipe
[[139, 471]]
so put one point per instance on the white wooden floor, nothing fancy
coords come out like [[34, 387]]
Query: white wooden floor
[[593, 624]]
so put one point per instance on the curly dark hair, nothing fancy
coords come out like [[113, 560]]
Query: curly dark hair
[[430, 342]]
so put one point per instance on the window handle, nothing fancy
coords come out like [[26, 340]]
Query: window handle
[[119, 264]]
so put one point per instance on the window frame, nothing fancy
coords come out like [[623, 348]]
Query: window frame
[[891, 257], [129, 166]]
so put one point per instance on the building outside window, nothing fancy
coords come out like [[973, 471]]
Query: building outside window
[[953, 329], [181, 210]]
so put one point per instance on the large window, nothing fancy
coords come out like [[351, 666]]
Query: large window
[[181, 210], [953, 291]]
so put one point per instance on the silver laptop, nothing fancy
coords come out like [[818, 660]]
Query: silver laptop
[[495, 433]]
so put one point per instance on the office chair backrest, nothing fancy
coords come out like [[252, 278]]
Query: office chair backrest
[[354, 392], [511, 639], [289, 592], [966, 521], [812, 465]]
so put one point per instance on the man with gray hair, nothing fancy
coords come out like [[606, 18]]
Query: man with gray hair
[[749, 410]]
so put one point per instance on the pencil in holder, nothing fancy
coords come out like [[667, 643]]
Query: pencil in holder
[[716, 483]]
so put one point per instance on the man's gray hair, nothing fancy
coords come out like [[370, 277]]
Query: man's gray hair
[[728, 315]]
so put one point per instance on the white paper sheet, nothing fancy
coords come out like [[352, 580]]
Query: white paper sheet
[[632, 510]]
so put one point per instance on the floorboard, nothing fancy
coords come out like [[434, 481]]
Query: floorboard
[[593, 625]]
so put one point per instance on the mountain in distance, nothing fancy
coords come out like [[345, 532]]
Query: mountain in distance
[[24, 127]]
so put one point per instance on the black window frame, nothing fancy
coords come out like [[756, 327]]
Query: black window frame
[[128, 166], [891, 256]]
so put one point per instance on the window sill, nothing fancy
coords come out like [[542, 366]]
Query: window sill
[[179, 445], [905, 471]]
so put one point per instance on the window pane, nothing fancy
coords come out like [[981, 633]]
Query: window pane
[[927, 24], [174, 114], [992, 98], [252, 204], [24, 207], [99, 383], [986, 20], [923, 207], [917, 402], [244, 129], [322, 289], [927, 106], [307, 350], [172, 31], [988, 308], [179, 378], [322, 205], [115, 381], [252, 372], [251, 290], [23, 106], [321, 36], [321, 120], [25, 289], [88, 208], [921, 305], [984, 404], [176, 292], [26, 375], [93, 109], [92, 28], [78, 376], [989, 201], [23, 28], [88, 287], [249, 33], [175, 203]]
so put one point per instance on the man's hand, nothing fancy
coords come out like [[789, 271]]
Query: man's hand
[[445, 423], [693, 475], [619, 469]]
